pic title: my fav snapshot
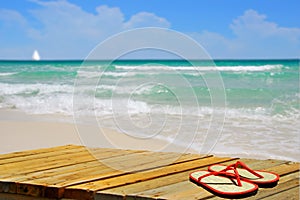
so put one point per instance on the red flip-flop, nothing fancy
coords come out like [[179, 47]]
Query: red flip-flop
[[259, 177], [224, 184]]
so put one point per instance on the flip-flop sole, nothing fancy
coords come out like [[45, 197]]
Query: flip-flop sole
[[223, 186]]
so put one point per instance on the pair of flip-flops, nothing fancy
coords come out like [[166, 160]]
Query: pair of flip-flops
[[235, 181]]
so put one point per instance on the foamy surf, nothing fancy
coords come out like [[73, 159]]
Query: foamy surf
[[160, 68]]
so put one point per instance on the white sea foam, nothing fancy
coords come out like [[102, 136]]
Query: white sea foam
[[119, 74], [200, 68], [7, 73], [9, 89], [99, 74], [89, 74], [37, 98]]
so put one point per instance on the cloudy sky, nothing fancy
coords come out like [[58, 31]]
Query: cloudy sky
[[70, 29]]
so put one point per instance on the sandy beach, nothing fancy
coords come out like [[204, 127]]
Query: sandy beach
[[21, 131]]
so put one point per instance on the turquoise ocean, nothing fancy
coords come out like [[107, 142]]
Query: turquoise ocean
[[258, 105]]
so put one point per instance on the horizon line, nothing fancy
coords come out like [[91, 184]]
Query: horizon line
[[146, 59]]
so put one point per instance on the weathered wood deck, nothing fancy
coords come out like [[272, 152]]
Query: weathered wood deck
[[71, 172]]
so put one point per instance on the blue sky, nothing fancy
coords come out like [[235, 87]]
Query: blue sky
[[70, 29]]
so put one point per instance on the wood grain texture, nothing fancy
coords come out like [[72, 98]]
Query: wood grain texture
[[77, 172]]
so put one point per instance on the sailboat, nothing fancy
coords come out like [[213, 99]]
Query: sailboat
[[36, 55]]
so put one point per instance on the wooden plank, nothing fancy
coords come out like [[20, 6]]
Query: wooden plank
[[179, 190], [147, 184], [29, 181], [55, 184], [291, 194], [51, 171], [38, 151], [62, 164], [153, 187], [163, 181], [285, 169], [260, 164], [41, 164], [49, 177], [45, 163], [113, 197], [94, 186], [7, 196], [41, 189], [185, 188], [139, 162], [94, 170], [144, 185], [150, 174], [42, 155]]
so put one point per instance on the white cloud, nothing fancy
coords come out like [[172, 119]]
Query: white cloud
[[12, 34], [66, 31], [254, 24], [254, 36], [143, 19], [70, 32], [10, 17]]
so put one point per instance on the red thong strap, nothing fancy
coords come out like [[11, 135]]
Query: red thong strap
[[243, 165], [225, 174]]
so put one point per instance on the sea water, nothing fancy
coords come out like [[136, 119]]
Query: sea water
[[247, 107]]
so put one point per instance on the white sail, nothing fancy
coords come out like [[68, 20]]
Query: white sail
[[35, 55]]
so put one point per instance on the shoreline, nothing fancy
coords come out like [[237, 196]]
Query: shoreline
[[22, 131]]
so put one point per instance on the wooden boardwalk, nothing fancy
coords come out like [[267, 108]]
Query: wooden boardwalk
[[71, 172]]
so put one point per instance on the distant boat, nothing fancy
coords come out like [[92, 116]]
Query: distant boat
[[36, 55]]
